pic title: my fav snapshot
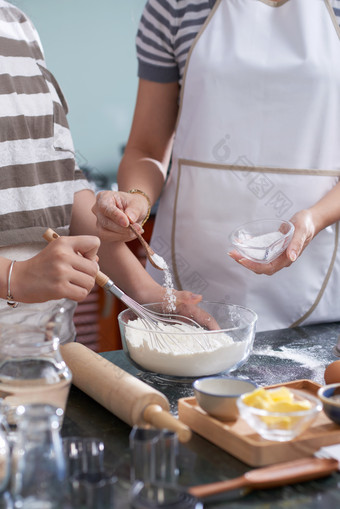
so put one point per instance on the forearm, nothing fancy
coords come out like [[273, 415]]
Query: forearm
[[116, 260], [147, 153], [121, 265], [327, 210], [137, 171], [83, 221]]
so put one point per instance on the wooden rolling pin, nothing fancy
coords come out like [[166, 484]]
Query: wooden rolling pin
[[130, 399]]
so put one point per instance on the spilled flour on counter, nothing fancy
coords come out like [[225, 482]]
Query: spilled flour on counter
[[291, 355], [180, 351]]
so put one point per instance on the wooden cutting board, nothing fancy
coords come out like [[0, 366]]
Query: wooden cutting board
[[238, 439]]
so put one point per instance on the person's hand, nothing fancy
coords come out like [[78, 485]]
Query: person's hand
[[186, 305], [65, 268], [115, 211], [305, 231]]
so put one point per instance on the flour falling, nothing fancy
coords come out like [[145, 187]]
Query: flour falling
[[169, 297]]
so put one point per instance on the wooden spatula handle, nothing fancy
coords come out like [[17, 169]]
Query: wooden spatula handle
[[50, 235], [281, 474], [206, 490], [291, 471]]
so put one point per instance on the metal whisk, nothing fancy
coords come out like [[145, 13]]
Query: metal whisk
[[150, 319]]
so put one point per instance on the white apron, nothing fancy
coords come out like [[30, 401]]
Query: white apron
[[257, 137]]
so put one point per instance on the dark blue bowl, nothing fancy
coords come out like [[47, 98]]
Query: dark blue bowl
[[330, 397]]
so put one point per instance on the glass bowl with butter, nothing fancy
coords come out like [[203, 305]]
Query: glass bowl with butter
[[279, 414], [262, 241]]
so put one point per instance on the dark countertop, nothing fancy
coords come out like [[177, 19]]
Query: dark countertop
[[278, 356]]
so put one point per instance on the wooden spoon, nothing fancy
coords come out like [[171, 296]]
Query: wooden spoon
[[155, 260], [281, 474]]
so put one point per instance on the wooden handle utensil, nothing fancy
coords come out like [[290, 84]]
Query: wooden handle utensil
[[130, 399], [290, 472], [101, 279]]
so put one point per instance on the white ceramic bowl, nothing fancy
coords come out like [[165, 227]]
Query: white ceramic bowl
[[217, 395], [280, 426], [195, 352], [264, 240]]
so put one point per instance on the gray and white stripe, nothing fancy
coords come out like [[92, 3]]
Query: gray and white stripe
[[166, 31], [38, 173]]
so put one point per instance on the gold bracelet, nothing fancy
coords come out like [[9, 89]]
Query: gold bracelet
[[10, 301], [138, 191]]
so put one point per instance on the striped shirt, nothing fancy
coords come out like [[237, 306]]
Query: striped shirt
[[166, 32], [38, 172]]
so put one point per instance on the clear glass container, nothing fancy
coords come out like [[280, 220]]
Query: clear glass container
[[38, 464], [5, 454], [32, 369], [184, 354], [262, 241], [281, 426]]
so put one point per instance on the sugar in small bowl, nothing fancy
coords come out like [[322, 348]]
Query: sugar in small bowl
[[262, 241], [217, 395]]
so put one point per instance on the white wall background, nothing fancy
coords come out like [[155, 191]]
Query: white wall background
[[90, 48]]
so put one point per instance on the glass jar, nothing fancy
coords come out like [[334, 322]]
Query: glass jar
[[5, 454], [38, 464], [32, 369]]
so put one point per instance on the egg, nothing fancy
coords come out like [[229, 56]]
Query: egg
[[332, 373]]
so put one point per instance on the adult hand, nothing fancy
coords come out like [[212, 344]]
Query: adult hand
[[305, 231], [65, 268], [115, 211], [186, 305]]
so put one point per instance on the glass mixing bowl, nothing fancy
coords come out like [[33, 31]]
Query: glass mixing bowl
[[186, 351], [264, 240]]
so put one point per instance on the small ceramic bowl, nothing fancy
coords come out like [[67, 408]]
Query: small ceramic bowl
[[330, 397], [217, 395], [281, 426], [264, 240]]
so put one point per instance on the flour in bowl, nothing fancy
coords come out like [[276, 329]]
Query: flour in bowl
[[181, 351]]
